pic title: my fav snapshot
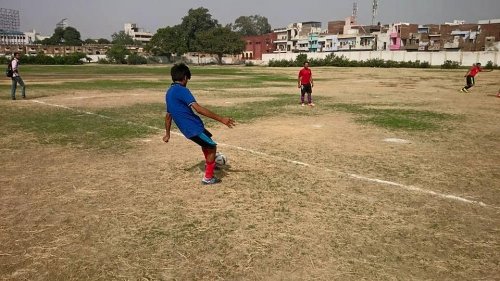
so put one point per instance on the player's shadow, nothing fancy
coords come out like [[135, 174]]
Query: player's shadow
[[220, 171]]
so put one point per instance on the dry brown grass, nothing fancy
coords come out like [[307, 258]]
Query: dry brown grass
[[72, 214]]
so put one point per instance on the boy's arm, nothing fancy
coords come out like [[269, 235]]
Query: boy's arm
[[168, 124], [205, 112]]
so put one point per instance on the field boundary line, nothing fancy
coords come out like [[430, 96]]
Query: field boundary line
[[351, 175]]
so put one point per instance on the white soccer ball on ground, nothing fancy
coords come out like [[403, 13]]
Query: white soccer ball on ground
[[220, 159]]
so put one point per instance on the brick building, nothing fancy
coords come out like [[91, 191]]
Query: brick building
[[257, 45]]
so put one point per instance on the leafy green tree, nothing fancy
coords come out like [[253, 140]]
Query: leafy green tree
[[71, 36], [251, 25], [220, 41], [197, 21], [117, 53], [168, 41], [90, 41], [122, 38], [103, 41], [64, 36]]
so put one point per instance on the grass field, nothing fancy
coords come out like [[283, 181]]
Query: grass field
[[88, 190]]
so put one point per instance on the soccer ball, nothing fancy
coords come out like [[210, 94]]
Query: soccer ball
[[220, 159]]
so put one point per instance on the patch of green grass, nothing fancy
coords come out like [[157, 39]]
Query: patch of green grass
[[247, 112], [93, 69], [67, 127], [104, 85], [396, 118]]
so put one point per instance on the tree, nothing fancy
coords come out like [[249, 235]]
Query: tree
[[90, 41], [117, 53], [251, 25], [220, 41], [103, 41], [122, 38], [197, 21], [71, 36], [64, 36], [168, 41]]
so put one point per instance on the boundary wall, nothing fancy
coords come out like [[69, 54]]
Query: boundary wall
[[433, 58]]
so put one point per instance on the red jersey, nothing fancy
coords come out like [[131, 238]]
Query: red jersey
[[474, 70], [305, 75]]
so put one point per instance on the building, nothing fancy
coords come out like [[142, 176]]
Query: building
[[257, 45], [11, 37], [32, 36], [138, 34], [296, 37]]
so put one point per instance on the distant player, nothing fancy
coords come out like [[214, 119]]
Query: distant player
[[306, 84], [180, 104], [471, 76]]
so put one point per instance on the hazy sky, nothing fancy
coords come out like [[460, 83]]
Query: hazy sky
[[101, 18]]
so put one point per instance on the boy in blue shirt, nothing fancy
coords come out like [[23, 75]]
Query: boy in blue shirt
[[180, 104]]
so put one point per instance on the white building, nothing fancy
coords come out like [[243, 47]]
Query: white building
[[32, 36], [137, 33]]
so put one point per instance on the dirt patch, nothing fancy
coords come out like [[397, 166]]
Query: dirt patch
[[287, 207]]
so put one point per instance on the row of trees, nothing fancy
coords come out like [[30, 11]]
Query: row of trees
[[198, 32], [70, 36]]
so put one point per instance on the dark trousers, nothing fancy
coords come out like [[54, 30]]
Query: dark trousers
[[470, 82]]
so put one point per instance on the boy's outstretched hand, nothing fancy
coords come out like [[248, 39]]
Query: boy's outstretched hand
[[228, 122]]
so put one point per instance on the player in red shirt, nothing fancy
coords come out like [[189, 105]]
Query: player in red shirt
[[306, 84], [470, 76]]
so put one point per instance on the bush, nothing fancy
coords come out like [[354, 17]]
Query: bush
[[450, 65], [342, 61], [490, 65], [300, 59], [103, 61], [136, 59], [4, 60]]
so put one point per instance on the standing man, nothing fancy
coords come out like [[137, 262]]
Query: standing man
[[16, 78], [470, 76], [306, 84]]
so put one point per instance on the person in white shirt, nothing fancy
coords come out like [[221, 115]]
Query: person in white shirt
[[16, 78]]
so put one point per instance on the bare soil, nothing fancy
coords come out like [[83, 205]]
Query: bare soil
[[72, 214]]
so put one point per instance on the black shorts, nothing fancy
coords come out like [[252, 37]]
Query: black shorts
[[204, 140], [470, 81], [306, 88]]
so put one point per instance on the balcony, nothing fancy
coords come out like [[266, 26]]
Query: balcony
[[394, 47], [451, 45], [434, 47]]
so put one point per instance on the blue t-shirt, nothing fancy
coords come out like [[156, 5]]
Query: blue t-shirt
[[179, 100]]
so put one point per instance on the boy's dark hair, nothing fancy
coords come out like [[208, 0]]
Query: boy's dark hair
[[306, 62], [478, 64], [179, 72]]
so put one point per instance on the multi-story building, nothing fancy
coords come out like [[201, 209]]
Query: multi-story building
[[328, 43], [137, 33], [295, 37], [259, 44], [11, 37]]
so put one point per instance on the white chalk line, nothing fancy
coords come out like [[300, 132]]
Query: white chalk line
[[351, 175]]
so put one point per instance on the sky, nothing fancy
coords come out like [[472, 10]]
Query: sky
[[102, 18]]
